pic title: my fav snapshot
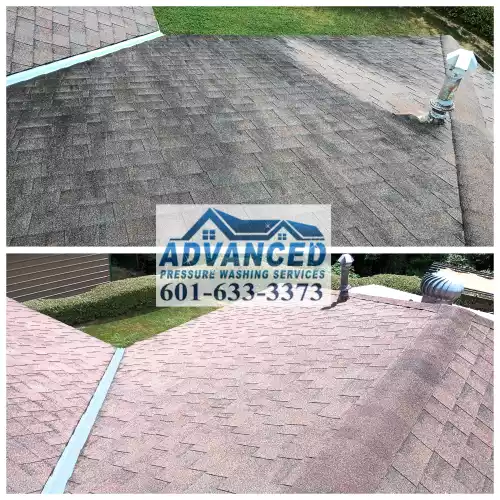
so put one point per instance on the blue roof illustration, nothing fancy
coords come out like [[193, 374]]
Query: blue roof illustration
[[236, 229]]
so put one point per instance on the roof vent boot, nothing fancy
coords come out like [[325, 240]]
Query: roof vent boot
[[458, 64]]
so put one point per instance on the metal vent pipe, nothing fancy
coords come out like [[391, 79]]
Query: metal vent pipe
[[345, 261]]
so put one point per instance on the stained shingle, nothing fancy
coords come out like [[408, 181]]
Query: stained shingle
[[285, 111]]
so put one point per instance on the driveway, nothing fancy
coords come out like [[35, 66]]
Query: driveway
[[373, 395], [93, 148]]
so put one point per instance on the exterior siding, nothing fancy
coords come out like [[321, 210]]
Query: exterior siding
[[31, 276]]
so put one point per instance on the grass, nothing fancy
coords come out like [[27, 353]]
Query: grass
[[340, 21], [334, 21], [124, 331]]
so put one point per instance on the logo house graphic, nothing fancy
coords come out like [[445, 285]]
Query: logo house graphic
[[217, 225], [228, 253]]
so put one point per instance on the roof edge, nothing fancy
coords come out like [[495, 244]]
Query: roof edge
[[45, 69], [426, 306], [474, 159], [360, 453], [79, 333], [423, 306]]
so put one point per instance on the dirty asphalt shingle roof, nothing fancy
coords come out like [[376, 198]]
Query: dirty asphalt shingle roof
[[373, 395], [52, 372], [41, 35], [483, 83], [92, 149]]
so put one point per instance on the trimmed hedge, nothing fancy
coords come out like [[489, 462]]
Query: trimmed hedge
[[121, 297], [104, 301], [478, 19], [410, 284]]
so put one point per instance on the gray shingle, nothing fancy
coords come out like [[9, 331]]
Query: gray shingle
[[78, 30], [224, 112]]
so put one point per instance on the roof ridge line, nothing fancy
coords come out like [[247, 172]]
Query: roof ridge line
[[473, 150], [361, 451], [425, 306]]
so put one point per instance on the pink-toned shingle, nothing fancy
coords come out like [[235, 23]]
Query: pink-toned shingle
[[462, 442], [52, 372], [373, 395], [241, 401]]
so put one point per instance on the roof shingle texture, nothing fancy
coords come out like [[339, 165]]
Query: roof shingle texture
[[41, 35], [371, 395], [93, 148], [52, 372], [484, 84]]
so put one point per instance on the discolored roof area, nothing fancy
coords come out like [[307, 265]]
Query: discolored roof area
[[372, 395], [93, 148], [52, 372]]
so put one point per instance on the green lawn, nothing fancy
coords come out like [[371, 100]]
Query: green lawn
[[292, 21], [334, 21], [126, 330]]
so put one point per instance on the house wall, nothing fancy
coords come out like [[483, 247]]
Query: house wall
[[33, 276]]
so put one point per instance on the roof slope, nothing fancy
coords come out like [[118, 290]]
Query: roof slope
[[40, 35], [372, 395], [52, 372], [93, 148]]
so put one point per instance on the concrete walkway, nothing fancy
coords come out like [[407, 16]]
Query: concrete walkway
[[40, 35]]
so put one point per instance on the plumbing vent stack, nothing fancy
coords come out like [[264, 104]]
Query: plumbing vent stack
[[345, 261], [459, 63], [441, 286]]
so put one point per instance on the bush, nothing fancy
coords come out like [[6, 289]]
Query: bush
[[337, 269], [104, 301], [478, 19], [410, 284]]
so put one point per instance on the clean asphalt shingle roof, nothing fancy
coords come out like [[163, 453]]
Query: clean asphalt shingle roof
[[52, 372], [93, 148], [373, 395]]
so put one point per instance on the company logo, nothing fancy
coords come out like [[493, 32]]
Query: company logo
[[222, 251], [236, 229], [223, 239]]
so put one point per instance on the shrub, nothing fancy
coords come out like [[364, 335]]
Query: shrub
[[121, 297], [410, 284], [478, 19], [337, 269], [104, 301]]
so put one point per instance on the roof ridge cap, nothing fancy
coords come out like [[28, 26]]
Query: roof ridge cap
[[426, 306], [372, 432]]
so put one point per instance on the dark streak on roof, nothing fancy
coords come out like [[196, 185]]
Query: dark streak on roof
[[93, 148]]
